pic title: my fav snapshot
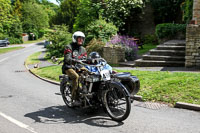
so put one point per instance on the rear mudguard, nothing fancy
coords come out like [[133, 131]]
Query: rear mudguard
[[132, 83]]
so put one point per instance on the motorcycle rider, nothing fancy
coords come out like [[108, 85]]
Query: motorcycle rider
[[74, 51]]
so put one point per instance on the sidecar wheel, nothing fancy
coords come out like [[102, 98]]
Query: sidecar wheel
[[66, 95], [116, 103]]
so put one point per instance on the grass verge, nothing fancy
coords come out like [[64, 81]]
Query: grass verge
[[166, 87], [5, 50], [33, 59], [50, 72], [169, 87]]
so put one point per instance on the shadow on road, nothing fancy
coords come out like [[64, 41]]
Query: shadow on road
[[62, 114]]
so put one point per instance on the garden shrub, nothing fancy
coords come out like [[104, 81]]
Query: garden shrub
[[59, 38], [3, 36], [14, 40], [170, 31], [150, 39], [126, 42], [100, 29], [95, 45]]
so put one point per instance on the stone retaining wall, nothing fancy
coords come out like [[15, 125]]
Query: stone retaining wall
[[192, 58], [113, 55]]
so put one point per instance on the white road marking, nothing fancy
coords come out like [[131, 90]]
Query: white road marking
[[3, 59], [18, 123]]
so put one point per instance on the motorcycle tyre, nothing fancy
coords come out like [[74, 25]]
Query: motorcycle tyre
[[128, 104], [64, 87]]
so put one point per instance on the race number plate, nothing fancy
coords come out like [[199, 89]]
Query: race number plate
[[105, 74]]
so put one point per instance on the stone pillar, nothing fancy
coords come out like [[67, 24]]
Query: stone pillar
[[196, 11], [192, 55], [192, 58]]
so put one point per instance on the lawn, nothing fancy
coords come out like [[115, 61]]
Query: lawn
[[33, 59], [5, 50], [146, 48]]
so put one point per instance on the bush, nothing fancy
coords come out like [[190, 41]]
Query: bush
[[170, 31], [95, 45], [14, 40], [59, 38], [41, 33], [150, 39], [130, 46], [100, 29], [3, 36]]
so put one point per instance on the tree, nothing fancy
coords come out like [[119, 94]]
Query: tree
[[34, 17], [88, 11], [166, 11], [10, 24], [67, 13], [117, 11]]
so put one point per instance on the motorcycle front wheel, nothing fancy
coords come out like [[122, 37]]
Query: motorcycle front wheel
[[117, 102], [66, 94]]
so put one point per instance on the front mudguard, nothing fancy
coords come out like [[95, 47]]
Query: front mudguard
[[132, 83], [63, 80], [114, 84]]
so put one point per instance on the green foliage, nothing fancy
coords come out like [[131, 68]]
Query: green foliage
[[187, 8], [51, 9], [150, 39], [5, 16], [117, 11], [100, 29], [169, 30], [166, 11], [34, 17], [3, 36], [95, 45], [88, 11], [59, 38], [67, 13], [14, 40], [10, 25]]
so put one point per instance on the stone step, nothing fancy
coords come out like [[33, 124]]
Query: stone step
[[167, 52], [127, 64], [153, 63], [175, 43], [163, 58], [169, 47]]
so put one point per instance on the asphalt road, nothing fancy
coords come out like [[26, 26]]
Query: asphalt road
[[31, 105]]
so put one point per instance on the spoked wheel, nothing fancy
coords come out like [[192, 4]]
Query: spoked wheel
[[66, 94], [117, 102]]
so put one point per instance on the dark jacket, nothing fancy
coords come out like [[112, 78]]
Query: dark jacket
[[73, 51]]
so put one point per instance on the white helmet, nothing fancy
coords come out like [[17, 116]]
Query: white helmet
[[76, 35]]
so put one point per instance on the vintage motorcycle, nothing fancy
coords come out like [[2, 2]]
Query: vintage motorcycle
[[112, 91]]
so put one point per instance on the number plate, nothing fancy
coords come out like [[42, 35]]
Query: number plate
[[105, 74]]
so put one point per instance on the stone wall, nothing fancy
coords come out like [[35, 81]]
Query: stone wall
[[113, 55], [192, 46]]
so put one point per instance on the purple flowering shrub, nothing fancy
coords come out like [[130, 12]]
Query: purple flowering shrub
[[128, 43]]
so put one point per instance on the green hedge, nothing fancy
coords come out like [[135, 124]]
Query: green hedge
[[170, 31]]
